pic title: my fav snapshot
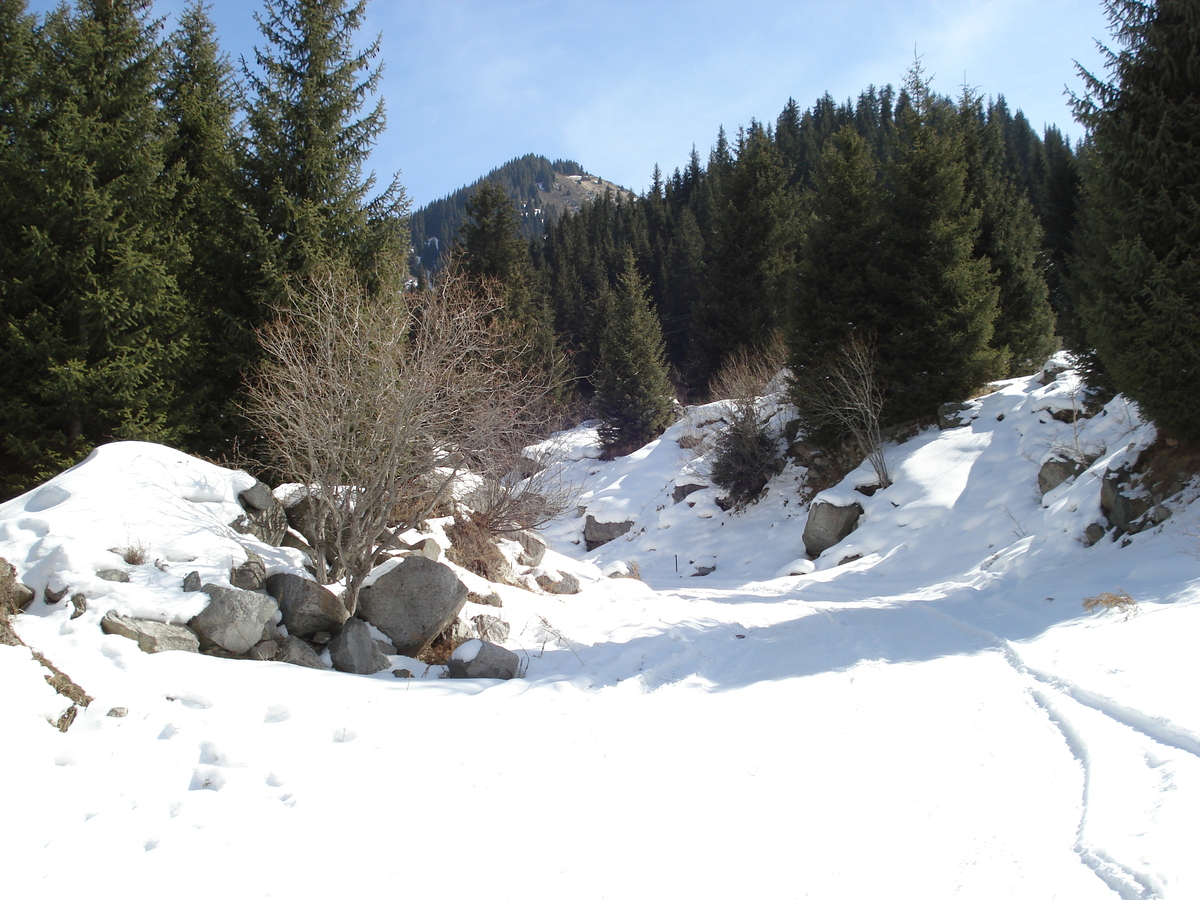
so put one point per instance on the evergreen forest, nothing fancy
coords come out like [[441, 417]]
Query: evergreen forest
[[156, 202]]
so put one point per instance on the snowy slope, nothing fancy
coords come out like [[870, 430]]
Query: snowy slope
[[939, 717]]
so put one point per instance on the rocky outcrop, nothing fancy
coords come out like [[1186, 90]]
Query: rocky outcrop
[[828, 525], [151, 636], [291, 650], [413, 602], [307, 607], [533, 549], [265, 517], [1056, 471], [565, 583], [483, 659], [596, 534], [250, 575], [490, 628], [957, 414], [355, 651], [234, 619]]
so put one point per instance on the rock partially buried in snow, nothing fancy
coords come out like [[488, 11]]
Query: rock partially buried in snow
[[565, 583], [828, 524], [533, 549], [596, 534], [151, 636], [483, 659], [234, 620], [800, 566]]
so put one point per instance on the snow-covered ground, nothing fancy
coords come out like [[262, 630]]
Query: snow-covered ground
[[938, 717]]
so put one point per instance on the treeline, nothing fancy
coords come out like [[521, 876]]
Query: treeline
[[435, 227], [153, 203], [937, 227]]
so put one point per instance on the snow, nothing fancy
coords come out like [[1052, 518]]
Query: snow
[[937, 717]]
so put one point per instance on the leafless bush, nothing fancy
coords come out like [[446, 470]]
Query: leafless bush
[[748, 371], [844, 394], [378, 400]]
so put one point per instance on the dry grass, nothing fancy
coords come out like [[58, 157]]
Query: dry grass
[[473, 548], [1119, 600], [136, 554]]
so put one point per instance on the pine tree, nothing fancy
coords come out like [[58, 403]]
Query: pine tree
[[1010, 239], [1137, 269], [308, 144], [95, 333], [199, 97], [633, 394], [939, 298], [753, 257]]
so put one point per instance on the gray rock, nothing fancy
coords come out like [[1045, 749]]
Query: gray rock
[[258, 497], [250, 575], [533, 549], [1056, 471], [828, 524], [234, 619], [596, 533], [492, 599], [955, 414], [290, 650], [1093, 533], [1050, 372], [265, 517], [191, 583], [12, 591], [413, 603], [489, 628], [565, 584], [459, 632], [355, 651], [151, 636], [307, 607], [120, 576], [1122, 510], [685, 490], [483, 659], [118, 712]]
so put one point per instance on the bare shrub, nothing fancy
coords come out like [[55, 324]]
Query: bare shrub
[[378, 401], [135, 554], [843, 395], [745, 456], [1118, 600]]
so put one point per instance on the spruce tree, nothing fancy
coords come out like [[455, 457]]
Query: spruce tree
[[1137, 268], [199, 97], [308, 144], [938, 299], [633, 394], [95, 334], [1010, 238]]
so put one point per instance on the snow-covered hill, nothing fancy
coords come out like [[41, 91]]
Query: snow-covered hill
[[929, 712]]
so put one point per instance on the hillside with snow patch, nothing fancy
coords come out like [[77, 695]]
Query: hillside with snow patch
[[929, 711]]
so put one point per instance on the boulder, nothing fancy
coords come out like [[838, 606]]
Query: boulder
[[151, 636], [413, 602], [250, 575], [265, 517], [955, 414], [291, 650], [533, 549], [191, 582], [1051, 370], [1092, 534], [1056, 471], [566, 583], [459, 632], [12, 591], [117, 575], [597, 533], [490, 628], [234, 619], [307, 607], [828, 524], [1122, 510], [355, 651], [483, 659], [684, 490]]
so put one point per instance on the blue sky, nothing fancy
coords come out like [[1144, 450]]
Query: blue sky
[[619, 85]]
